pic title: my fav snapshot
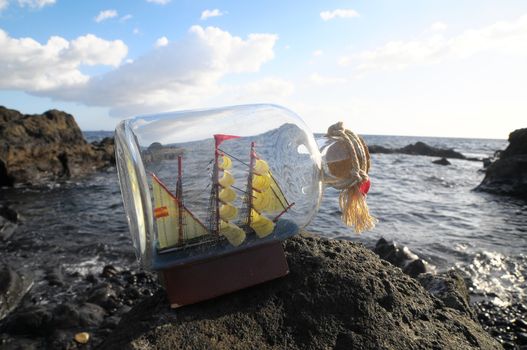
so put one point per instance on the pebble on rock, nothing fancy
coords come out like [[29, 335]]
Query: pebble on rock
[[82, 337]]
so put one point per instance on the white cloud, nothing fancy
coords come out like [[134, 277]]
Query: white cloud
[[125, 18], [318, 79], [211, 13], [104, 15], [163, 41], [267, 89], [501, 37], [25, 64], [160, 2], [136, 31], [3, 4], [338, 13], [317, 53], [35, 3], [438, 27], [180, 75]]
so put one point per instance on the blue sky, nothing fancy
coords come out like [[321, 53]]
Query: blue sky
[[408, 67]]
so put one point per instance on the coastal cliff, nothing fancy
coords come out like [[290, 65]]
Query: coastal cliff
[[45, 147], [338, 295], [508, 174]]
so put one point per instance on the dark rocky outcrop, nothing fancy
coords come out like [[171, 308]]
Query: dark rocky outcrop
[[451, 288], [338, 295], [442, 161], [13, 287], [508, 174], [96, 310], [400, 257], [43, 147], [8, 222], [421, 149]]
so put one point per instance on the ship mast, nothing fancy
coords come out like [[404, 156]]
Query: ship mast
[[250, 185], [179, 196], [214, 204], [216, 191]]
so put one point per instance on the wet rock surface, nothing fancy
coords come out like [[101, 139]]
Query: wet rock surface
[[338, 295], [442, 161], [451, 288], [508, 174], [506, 324], [46, 147], [13, 287], [401, 257], [421, 149], [96, 310], [8, 222]]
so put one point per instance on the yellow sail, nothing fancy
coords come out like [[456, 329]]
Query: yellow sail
[[261, 225], [233, 233], [225, 163], [278, 203], [227, 180], [227, 195], [261, 182], [166, 214], [227, 211], [267, 196]]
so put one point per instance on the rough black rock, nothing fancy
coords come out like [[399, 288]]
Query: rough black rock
[[505, 323], [421, 149], [508, 174], [442, 161], [400, 257], [338, 295], [96, 309], [13, 287], [451, 288], [8, 222], [45, 147]]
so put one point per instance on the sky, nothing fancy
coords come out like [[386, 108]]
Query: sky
[[455, 68]]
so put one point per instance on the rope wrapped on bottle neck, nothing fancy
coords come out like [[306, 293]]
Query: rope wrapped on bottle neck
[[355, 185]]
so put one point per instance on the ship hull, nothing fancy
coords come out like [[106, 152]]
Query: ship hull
[[215, 276]]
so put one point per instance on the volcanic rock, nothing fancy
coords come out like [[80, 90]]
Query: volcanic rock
[[508, 174], [400, 257], [442, 161], [43, 147], [420, 149], [338, 295], [451, 288], [13, 287], [8, 222]]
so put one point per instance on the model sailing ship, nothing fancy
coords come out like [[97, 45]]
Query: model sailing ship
[[263, 205]]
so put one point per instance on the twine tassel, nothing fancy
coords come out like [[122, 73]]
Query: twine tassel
[[355, 211], [352, 199]]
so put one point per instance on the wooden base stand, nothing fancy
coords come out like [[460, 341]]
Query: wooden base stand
[[202, 280]]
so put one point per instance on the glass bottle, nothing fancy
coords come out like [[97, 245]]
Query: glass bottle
[[202, 183]]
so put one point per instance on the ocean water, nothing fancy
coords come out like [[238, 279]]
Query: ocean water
[[432, 209]]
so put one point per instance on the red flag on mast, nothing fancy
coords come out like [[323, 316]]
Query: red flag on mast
[[219, 138]]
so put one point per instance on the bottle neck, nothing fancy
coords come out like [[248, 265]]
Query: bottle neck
[[336, 162]]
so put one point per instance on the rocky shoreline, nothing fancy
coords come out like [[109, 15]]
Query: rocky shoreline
[[338, 295], [508, 325], [36, 149], [508, 174]]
